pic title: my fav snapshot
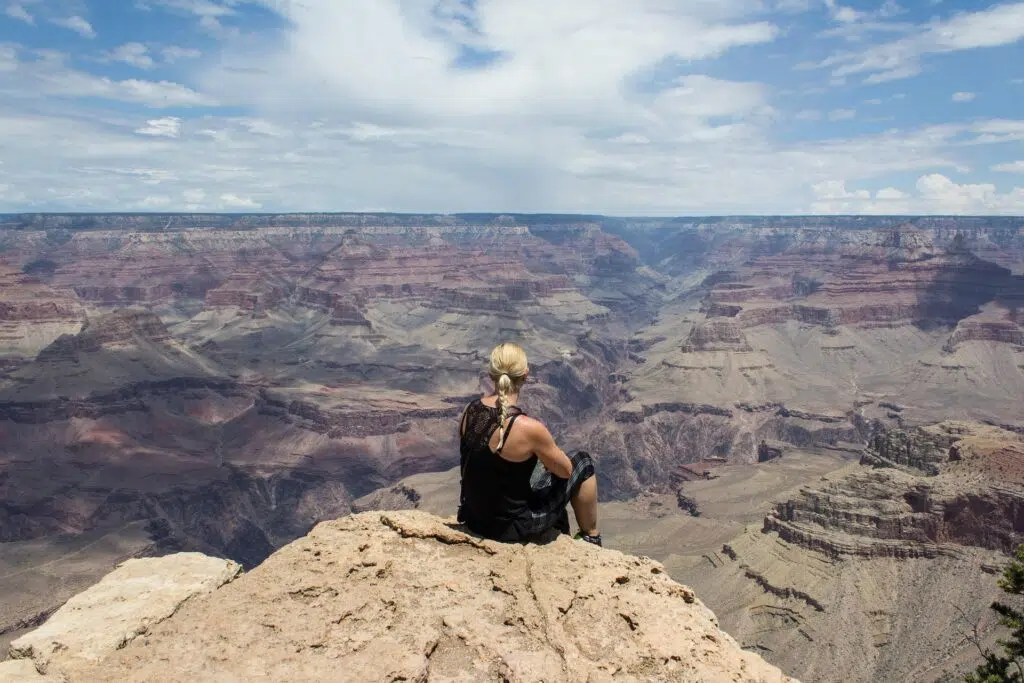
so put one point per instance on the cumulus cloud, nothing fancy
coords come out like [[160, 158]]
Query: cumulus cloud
[[167, 127], [133, 54], [935, 194], [571, 60], [836, 189], [890, 194], [17, 11], [230, 200], [963, 96], [508, 105], [76, 24]]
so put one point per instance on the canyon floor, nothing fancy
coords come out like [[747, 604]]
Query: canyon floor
[[223, 383]]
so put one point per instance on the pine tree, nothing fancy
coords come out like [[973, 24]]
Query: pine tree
[[1008, 666]]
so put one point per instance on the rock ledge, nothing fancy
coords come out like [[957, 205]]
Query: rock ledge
[[408, 596]]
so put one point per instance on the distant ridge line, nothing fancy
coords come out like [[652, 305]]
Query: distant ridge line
[[168, 222]]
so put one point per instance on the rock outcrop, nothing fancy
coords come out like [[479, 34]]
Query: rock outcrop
[[33, 314], [918, 500], [125, 604], [118, 329], [392, 596], [831, 584], [879, 277], [998, 325], [914, 449]]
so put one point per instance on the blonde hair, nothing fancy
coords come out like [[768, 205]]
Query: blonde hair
[[508, 369]]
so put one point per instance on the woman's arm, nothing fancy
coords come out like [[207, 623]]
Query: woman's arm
[[543, 445]]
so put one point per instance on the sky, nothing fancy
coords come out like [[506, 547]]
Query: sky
[[619, 107]]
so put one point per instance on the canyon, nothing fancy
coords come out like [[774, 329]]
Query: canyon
[[221, 384]]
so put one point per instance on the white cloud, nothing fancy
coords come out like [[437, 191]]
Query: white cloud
[[200, 8], [76, 24], [168, 127], [890, 193], [842, 13], [873, 101], [8, 59], [17, 11], [133, 54], [1011, 167], [935, 194], [997, 131], [229, 200], [48, 75], [208, 12], [154, 202], [991, 27], [836, 189], [847, 15], [948, 195], [156, 94], [173, 53], [842, 114], [963, 96], [589, 105], [558, 60], [631, 139]]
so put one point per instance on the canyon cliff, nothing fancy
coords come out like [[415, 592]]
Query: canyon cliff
[[223, 383], [395, 596]]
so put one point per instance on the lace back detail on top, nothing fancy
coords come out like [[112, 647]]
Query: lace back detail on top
[[481, 421]]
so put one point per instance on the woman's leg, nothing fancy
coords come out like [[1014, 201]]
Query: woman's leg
[[584, 505]]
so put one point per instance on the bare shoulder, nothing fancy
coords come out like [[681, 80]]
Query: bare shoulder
[[533, 427]]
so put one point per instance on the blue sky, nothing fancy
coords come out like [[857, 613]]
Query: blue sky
[[646, 107]]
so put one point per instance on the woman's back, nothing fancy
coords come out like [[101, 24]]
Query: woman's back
[[500, 450], [495, 490]]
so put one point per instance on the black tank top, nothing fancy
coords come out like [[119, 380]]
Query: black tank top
[[495, 492]]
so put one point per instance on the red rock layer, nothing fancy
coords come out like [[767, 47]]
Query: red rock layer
[[24, 298], [987, 327], [716, 334], [121, 327], [893, 278]]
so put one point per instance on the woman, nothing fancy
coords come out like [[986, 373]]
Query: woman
[[500, 447]]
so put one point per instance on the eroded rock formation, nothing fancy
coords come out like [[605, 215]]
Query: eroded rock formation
[[844, 565], [393, 596], [240, 378]]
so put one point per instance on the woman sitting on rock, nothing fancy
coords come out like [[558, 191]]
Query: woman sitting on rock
[[502, 497]]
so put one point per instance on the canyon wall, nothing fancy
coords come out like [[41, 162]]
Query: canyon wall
[[229, 381]]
